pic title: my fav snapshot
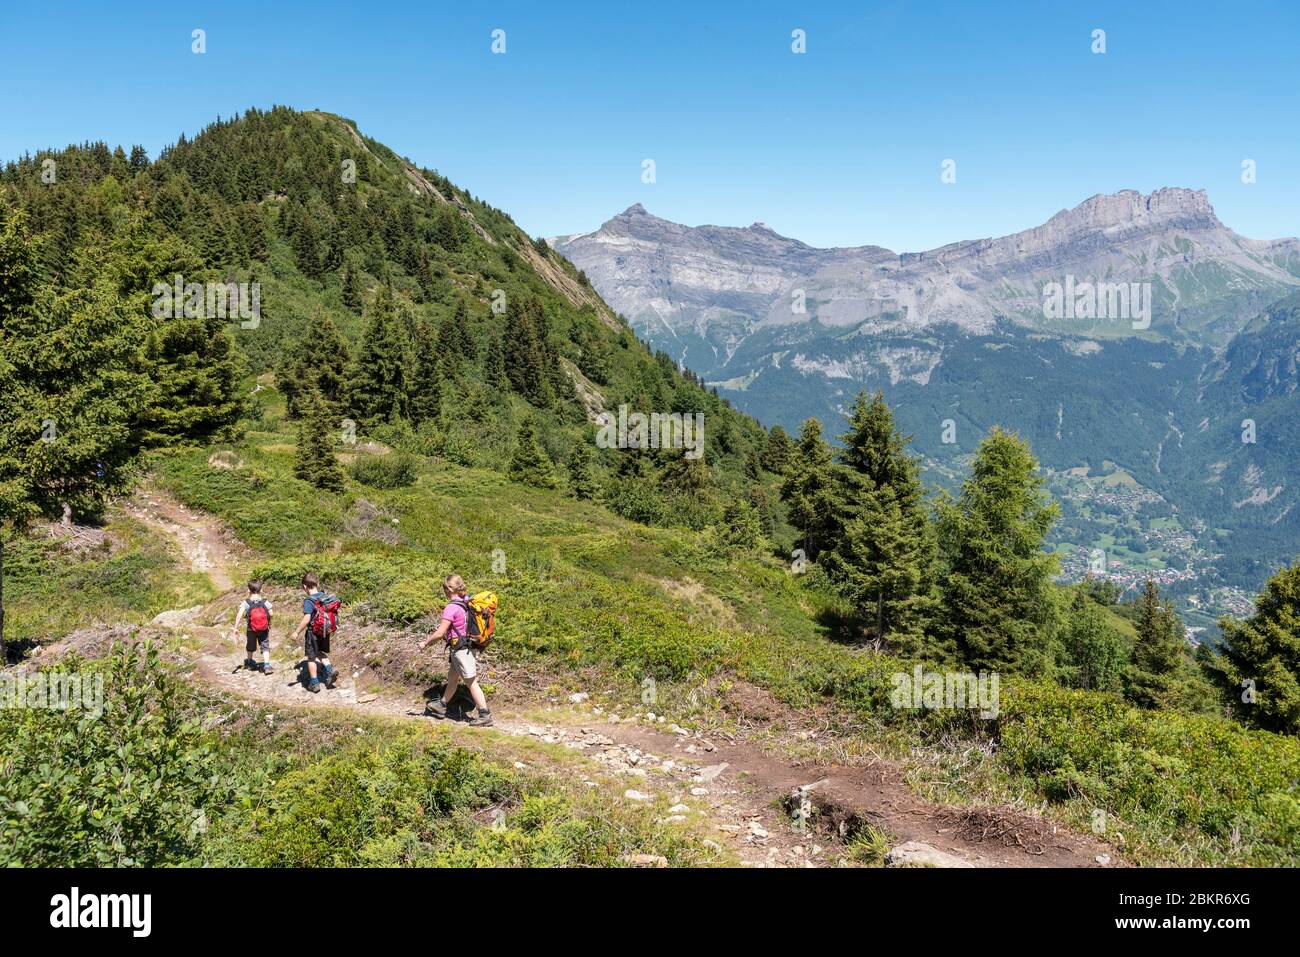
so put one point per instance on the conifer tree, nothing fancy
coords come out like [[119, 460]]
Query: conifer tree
[[377, 385], [995, 578], [685, 475], [582, 478], [885, 557], [329, 362], [352, 288], [1152, 680], [530, 464], [314, 459], [1261, 656], [812, 493], [426, 377], [494, 366], [777, 451], [462, 335], [196, 373], [526, 350], [1093, 652]]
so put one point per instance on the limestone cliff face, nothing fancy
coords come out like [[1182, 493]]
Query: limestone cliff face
[[702, 293]]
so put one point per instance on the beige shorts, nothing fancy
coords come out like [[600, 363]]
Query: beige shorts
[[463, 665]]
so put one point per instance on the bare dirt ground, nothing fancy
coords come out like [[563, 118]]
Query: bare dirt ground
[[768, 807]]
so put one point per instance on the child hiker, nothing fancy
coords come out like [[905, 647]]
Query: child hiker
[[256, 610], [318, 624]]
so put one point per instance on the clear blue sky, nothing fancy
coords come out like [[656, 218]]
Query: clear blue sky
[[839, 146]]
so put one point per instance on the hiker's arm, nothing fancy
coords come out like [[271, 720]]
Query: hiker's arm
[[239, 616], [437, 635], [306, 620]]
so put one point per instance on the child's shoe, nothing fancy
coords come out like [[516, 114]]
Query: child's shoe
[[314, 686]]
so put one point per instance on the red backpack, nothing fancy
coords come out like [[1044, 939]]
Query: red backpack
[[259, 616], [325, 616]]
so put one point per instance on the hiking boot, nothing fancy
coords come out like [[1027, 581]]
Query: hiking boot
[[314, 686], [484, 720], [331, 676], [267, 669], [250, 664], [436, 708]]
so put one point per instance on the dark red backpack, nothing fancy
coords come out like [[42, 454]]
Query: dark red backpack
[[259, 616], [325, 616]]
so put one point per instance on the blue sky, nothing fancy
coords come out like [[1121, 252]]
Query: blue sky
[[841, 145]]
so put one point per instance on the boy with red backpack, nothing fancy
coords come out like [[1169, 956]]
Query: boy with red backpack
[[320, 619], [257, 611]]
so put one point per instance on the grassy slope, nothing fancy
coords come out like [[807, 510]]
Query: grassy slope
[[584, 588]]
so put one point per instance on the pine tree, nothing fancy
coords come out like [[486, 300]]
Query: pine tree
[[377, 385], [688, 476], [777, 451], [741, 528], [494, 366], [526, 350], [196, 372], [582, 478], [352, 288], [314, 460], [1261, 655], [464, 338], [1093, 650], [530, 464], [426, 377], [1152, 680], [995, 581], [330, 359], [885, 557], [812, 493]]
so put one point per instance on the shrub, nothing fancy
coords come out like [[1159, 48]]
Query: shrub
[[129, 788], [396, 470]]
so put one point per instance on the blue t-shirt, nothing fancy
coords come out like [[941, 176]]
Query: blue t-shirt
[[309, 603]]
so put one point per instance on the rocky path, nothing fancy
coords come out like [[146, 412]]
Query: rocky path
[[765, 807]]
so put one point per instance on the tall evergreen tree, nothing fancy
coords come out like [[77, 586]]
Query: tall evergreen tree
[[995, 579], [530, 464], [352, 293], [777, 450], [494, 365], [196, 372], [526, 350], [812, 493], [1261, 656], [426, 376], [886, 555], [1152, 680], [1093, 650], [582, 478], [329, 363], [314, 459], [377, 385]]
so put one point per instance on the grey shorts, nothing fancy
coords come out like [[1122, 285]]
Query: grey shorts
[[463, 665]]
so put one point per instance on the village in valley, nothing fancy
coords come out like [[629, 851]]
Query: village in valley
[[1113, 527]]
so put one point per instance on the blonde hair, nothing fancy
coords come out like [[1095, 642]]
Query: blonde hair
[[455, 584]]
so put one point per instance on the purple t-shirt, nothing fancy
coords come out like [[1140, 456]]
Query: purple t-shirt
[[455, 614]]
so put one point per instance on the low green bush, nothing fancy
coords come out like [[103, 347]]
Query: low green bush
[[395, 470]]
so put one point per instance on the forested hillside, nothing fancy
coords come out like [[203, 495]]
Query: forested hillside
[[417, 311]]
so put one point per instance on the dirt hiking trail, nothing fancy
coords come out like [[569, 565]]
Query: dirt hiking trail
[[768, 808]]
